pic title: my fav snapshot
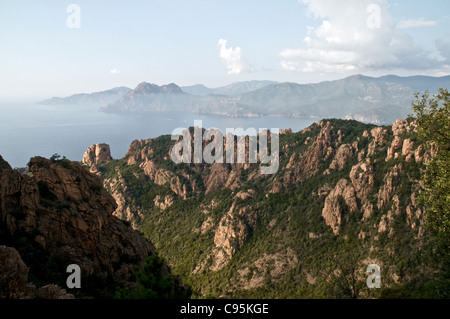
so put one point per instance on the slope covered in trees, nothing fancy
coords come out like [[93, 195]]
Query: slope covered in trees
[[346, 196]]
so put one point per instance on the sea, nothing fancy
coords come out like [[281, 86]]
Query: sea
[[28, 129]]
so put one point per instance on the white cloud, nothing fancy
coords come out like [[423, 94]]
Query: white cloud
[[356, 35], [416, 23], [443, 46], [233, 58], [114, 72]]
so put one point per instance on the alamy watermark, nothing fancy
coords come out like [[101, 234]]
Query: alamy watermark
[[374, 19], [74, 19], [74, 280], [374, 279], [213, 152]]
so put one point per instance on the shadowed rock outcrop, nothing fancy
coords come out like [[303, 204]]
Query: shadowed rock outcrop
[[13, 274], [63, 211]]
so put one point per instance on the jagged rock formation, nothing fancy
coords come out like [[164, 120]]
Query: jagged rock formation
[[96, 154], [4, 165], [231, 234], [332, 211], [337, 180], [343, 154], [63, 212]]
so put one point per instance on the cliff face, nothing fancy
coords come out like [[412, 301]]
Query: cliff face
[[60, 210], [339, 182], [14, 284], [96, 154], [4, 165]]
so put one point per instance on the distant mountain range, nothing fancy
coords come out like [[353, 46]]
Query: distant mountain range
[[374, 100], [97, 98], [231, 89]]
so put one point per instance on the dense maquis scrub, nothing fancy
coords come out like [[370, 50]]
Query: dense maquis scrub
[[433, 120]]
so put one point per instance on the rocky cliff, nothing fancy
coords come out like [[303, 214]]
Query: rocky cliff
[[340, 184], [96, 154], [58, 214]]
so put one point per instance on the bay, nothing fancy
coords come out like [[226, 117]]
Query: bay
[[28, 129]]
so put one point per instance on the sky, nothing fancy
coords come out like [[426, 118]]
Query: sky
[[58, 48]]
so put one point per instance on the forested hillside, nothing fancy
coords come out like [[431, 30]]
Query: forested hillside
[[345, 196]]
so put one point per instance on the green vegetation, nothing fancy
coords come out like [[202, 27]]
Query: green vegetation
[[64, 162], [433, 120], [153, 283], [284, 248]]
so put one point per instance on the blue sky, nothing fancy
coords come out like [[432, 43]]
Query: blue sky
[[122, 43]]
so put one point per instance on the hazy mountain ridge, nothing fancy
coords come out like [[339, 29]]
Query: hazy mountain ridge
[[373, 100], [151, 97], [97, 98], [163, 98], [231, 89]]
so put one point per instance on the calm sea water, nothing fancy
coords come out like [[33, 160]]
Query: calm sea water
[[28, 130]]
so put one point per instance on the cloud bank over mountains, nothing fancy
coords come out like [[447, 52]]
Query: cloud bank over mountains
[[360, 35]]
